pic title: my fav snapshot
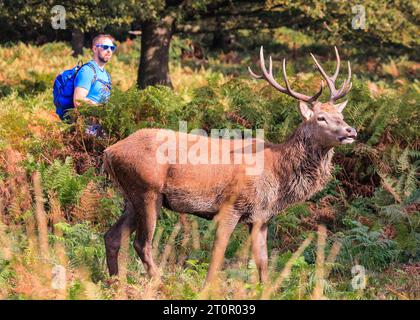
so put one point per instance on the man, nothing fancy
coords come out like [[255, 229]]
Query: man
[[92, 84]]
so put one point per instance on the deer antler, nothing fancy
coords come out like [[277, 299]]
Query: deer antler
[[268, 75], [345, 88]]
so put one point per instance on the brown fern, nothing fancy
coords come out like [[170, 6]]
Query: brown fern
[[87, 207], [238, 119]]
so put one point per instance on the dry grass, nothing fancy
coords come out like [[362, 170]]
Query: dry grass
[[38, 267], [29, 216], [286, 270], [25, 62], [44, 272]]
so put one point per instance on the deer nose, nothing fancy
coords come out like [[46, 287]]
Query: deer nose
[[351, 131]]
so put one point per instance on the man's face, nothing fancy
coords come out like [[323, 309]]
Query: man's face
[[102, 54]]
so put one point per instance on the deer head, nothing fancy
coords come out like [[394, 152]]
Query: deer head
[[324, 121]]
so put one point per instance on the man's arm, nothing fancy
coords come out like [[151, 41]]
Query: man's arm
[[80, 96], [82, 85]]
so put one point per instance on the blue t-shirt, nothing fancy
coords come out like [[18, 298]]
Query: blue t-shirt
[[98, 91]]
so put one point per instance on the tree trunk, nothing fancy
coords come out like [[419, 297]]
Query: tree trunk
[[221, 41], [154, 55], [77, 41], [221, 38]]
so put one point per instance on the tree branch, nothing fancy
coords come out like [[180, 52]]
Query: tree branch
[[262, 19]]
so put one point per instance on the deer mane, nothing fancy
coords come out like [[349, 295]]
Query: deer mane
[[303, 168]]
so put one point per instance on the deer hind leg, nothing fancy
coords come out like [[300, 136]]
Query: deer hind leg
[[125, 226], [259, 248], [226, 223], [148, 209]]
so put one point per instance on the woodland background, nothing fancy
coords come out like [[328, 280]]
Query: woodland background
[[56, 204]]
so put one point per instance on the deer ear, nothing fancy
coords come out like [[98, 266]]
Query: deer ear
[[305, 110], [340, 107]]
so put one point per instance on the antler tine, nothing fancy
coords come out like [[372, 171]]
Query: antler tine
[[254, 75], [270, 67], [268, 75], [298, 95], [337, 69], [285, 76], [329, 81], [318, 94], [345, 88]]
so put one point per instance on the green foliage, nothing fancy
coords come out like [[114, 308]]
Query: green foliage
[[195, 268], [333, 186], [110, 208], [361, 207], [20, 115], [75, 290], [205, 110], [399, 205], [6, 273], [62, 179], [395, 113], [289, 219], [300, 283], [84, 246], [384, 212], [129, 111], [376, 229], [366, 247], [402, 180], [384, 24], [37, 17], [287, 224]]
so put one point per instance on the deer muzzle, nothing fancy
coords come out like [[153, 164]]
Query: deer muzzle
[[350, 136]]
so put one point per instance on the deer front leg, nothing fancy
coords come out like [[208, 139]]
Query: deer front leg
[[148, 208], [259, 248], [226, 223]]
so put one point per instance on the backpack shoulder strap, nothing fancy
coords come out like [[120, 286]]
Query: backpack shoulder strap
[[109, 78], [93, 69]]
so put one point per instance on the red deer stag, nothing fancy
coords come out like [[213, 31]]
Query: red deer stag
[[292, 172]]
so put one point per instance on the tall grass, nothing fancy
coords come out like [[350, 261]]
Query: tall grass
[[55, 205], [37, 267]]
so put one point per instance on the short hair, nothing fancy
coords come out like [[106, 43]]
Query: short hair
[[100, 36]]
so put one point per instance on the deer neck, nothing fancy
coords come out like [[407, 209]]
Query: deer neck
[[303, 167], [302, 144]]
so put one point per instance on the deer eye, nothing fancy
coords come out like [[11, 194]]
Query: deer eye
[[321, 119]]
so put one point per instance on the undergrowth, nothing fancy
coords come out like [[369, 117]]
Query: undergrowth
[[371, 207]]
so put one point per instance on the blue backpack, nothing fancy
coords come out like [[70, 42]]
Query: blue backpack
[[64, 88]]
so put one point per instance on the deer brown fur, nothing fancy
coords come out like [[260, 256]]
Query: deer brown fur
[[293, 171]]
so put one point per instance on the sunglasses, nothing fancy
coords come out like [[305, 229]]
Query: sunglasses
[[106, 47]]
